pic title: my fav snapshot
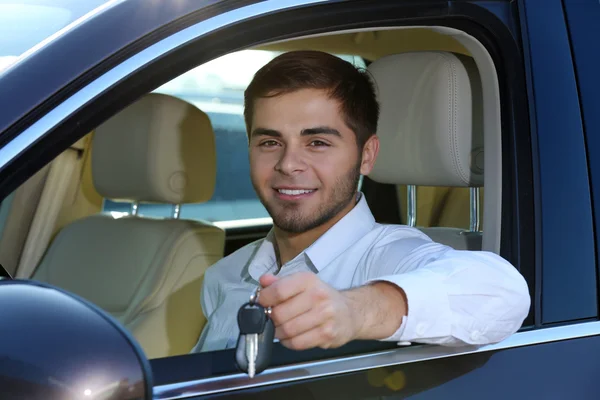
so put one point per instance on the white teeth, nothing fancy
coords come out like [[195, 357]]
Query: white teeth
[[294, 192]]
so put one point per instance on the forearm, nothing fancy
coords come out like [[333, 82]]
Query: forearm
[[379, 308], [461, 298]]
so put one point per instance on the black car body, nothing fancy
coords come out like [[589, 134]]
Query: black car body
[[545, 54]]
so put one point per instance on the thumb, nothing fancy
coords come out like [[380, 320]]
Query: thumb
[[267, 280]]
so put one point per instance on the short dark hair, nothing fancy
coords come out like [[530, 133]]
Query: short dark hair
[[309, 69]]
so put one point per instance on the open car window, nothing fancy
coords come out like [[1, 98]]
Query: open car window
[[216, 89]]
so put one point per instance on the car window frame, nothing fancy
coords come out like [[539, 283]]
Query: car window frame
[[90, 122], [555, 110]]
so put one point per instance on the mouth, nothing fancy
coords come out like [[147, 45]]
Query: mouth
[[293, 194]]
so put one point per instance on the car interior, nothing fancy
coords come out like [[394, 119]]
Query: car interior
[[131, 215]]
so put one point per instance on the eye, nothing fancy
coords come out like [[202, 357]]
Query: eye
[[318, 143], [268, 143]]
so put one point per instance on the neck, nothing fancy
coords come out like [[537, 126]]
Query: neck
[[289, 245]]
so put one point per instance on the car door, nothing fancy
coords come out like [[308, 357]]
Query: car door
[[541, 199]]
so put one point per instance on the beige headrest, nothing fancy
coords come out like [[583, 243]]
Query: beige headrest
[[160, 149], [430, 126]]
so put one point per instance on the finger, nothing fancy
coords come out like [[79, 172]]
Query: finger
[[267, 280], [292, 308], [285, 288], [297, 326], [316, 337]]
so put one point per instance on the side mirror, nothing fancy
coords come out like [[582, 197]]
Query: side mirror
[[54, 345]]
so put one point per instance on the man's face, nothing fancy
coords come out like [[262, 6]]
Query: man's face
[[304, 160]]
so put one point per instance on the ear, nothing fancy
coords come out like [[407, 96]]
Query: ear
[[369, 155]]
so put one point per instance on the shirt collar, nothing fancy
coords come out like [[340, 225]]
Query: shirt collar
[[264, 259], [347, 231]]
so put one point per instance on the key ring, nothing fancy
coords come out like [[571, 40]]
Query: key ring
[[254, 299], [254, 296]]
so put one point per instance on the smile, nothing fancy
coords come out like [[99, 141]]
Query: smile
[[295, 192]]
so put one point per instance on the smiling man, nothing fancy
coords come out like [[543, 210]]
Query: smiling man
[[331, 273]]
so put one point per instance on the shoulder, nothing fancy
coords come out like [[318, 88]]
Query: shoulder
[[402, 248], [394, 235], [233, 264], [399, 241]]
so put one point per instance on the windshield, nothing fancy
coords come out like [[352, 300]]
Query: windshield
[[26, 23]]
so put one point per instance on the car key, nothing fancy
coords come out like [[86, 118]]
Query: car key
[[251, 321], [253, 350]]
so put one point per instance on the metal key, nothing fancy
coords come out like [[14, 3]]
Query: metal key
[[251, 353], [255, 342]]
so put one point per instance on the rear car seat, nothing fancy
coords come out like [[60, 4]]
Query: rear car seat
[[145, 272], [431, 128]]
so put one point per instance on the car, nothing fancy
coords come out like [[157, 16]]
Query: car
[[105, 105]]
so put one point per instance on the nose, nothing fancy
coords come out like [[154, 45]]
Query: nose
[[291, 161]]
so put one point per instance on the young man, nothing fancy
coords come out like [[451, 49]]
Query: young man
[[331, 273]]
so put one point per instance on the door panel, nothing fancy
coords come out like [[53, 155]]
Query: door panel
[[561, 370]]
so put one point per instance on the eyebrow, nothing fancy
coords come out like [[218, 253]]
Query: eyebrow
[[265, 132], [318, 130]]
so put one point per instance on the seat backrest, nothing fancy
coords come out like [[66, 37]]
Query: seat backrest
[[145, 272], [430, 127]]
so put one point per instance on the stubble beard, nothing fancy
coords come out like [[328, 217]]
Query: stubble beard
[[290, 218]]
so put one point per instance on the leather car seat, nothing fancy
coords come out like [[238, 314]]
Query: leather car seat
[[146, 272], [431, 128]]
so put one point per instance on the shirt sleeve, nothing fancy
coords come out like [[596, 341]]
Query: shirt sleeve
[[454, 297]]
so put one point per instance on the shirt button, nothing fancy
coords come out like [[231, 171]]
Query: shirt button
[[475, 335], [421, 329]]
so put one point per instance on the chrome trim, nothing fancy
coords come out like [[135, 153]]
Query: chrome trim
[[411, 205], [474, 209], [134, 63], [134, 208], [176, 211], [359, 363]]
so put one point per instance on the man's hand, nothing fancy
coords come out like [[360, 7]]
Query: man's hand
[[309, 313]]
